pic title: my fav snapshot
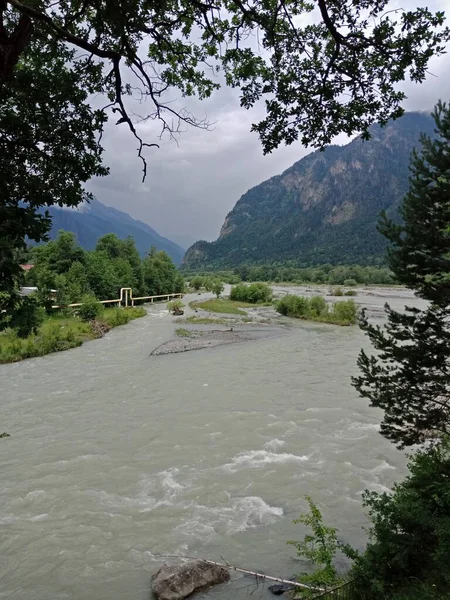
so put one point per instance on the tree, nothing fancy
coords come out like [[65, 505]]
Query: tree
[[217, 287], [338, 74], [409, 541], [410, 377]]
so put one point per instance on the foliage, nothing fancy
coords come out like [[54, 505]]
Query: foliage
[[316, 308], [27, 316], [337, 291], [54, 335], [59, 333], [323, 210], [217, 288], [182, 332], [350, 282], [320, 548], [197, 282], [255, 293], [409, 377], [219, 305], [90, 309], [114, 317], [63, 265], [175, 304], [59, 54], [419, 254], [350, 293], [410, 533], [290, 272]]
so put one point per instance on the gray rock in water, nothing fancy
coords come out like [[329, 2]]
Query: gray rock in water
[[179, 581], [279, 588]]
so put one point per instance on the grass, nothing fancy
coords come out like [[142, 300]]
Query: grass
[[60, 332], [181, 332], [206, 320], [222, 305]]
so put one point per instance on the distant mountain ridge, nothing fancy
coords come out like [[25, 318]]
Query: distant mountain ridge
[[92, 220], [323, 209]]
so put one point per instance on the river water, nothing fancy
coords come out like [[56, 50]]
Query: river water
[[118, 457]]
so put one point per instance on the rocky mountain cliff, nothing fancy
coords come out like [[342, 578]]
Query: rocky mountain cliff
[[323, 209], [91, 221]]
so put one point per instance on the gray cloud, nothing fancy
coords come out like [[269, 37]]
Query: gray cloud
[[192, 185]]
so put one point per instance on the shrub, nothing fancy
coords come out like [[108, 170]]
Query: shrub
[[27, 316], [175, 305], [196, 282], [293, 306], [256, 293], [337, 291], [350, 282], [90, 309], [409, 545], [350, 293], [318, 305], [120, 316], [345, 311], [319, 547], [217, 288]]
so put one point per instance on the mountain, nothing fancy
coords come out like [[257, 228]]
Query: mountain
[[91, 221], [323, 209]]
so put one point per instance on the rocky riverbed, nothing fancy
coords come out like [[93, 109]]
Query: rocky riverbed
[[198, 339]]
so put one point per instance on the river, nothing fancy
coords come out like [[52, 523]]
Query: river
[[117, 457]]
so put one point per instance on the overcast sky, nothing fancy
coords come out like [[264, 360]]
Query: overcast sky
[[192, 185]]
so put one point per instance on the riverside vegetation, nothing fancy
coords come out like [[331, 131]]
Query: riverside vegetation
[[64, 273], [408, 378]]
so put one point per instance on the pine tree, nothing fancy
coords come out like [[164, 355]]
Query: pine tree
[[410, 376]]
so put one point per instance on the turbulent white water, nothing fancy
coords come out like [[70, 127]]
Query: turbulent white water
[[117, 457]]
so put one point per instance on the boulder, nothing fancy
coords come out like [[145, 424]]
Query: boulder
[[279, 588], [179, 581]]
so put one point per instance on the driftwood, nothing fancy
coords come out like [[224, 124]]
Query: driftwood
[[253, 573]]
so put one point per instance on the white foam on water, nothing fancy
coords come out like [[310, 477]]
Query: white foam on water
[[255, 459], [170, 487], [274, 444], [383, 466], [205, 522], [116, 501], [365, 426]]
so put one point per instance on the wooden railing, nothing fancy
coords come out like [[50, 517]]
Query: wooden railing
[[126, 299]]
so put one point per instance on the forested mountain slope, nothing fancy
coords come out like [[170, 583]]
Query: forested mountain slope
[[323, 209]]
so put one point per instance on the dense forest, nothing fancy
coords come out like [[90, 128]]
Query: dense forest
[[323, 209], [64, 266], [276, 273]]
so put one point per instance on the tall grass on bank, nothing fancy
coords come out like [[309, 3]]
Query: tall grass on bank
[[344, 312], [60, 332]]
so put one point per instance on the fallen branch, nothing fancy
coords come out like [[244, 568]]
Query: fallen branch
[[248, 572]]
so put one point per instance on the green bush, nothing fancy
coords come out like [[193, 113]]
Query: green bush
[[120, 316], [196, 282], [350, 293], [350, 282], [90, 309], [337, 291], [293, 306], [27, 316], [345, 311], [175, 304], [255, 293], [342, 313], [318, 306], [217, 288], [409, 546]]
